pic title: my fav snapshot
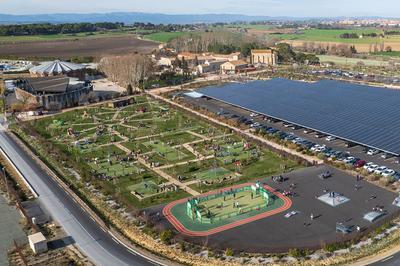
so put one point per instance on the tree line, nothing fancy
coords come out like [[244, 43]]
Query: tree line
[[48, 28], [221, 42]]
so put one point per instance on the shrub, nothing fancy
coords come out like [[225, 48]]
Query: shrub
[[229, 252], [166, 236]]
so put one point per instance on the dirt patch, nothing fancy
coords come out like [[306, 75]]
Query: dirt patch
[[96, 47]]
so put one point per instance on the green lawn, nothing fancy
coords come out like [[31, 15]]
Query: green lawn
[[244, 199], [389, 54], [164, 36]]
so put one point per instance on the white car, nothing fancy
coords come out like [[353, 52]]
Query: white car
[[253, 114], [306, 131], [256, 124], [372, 168], [386, 156], [349, 159], [380, 170], [388, 172], [372, 152], [330, 138], [367, 165], [290, 214]]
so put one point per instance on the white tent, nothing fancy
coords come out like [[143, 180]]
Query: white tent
[[54, 68]]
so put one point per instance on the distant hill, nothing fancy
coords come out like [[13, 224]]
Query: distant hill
[[131, 17]]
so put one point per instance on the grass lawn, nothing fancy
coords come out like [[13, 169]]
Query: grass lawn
[[164, 36], [219, 208], [388, 54], [145, 188], [221, 215]]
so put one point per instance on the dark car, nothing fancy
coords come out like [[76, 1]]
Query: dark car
[[359, 163]]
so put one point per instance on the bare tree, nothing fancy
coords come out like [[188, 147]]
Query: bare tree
[[131, 69]]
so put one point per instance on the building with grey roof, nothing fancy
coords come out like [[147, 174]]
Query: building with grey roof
[[54, 68]]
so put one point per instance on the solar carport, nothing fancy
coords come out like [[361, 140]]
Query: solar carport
[[362, 114]]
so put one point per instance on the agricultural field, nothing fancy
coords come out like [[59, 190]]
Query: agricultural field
[[164, 37], [61, 37], [147, 154], [66, 47]]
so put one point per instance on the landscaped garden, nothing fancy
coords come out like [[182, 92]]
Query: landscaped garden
[[147, 153]]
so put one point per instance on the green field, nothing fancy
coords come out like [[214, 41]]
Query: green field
[[319, 35], [227, 214], [388, 54], [164, 37]]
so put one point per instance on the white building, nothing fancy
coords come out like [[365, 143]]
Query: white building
[[38, 243]]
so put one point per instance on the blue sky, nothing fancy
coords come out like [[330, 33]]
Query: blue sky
[[296, 8]]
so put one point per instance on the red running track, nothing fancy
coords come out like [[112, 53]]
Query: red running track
[[178, 225]]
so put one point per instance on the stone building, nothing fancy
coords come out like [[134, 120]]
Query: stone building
[[267, 57]]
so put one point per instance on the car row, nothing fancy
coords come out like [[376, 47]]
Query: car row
[[344, 157]]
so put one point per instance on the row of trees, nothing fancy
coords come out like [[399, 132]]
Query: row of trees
[[222, 42], [287, 55], [47, 28], [129, 71]]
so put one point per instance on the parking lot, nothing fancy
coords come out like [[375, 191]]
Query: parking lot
[[356, 151], [278, 233]]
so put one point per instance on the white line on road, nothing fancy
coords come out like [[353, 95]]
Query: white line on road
[[388, 258]]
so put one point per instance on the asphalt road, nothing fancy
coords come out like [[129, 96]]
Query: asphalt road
[[100, 246], [393, 260]]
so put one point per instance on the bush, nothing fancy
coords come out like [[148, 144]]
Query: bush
[[229, 252], [166, 236], [298, 253]]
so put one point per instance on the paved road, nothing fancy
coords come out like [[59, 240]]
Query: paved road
[[97, 244], [393, 260]]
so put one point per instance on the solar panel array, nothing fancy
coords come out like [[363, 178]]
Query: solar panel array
[[358, 113]]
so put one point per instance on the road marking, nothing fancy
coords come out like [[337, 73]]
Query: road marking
[[116, 241], [92, 219], [130, 251], [388, 258], [104, 230]]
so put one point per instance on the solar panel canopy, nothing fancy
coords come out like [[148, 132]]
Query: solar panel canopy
[[361, 114]]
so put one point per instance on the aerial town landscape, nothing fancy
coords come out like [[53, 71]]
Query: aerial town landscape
[[261, 132]]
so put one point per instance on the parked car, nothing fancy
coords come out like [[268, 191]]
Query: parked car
[[359, 163], [330, 138], [386, 156], [397, 176], [380, 170], [388, 172], [350, 160], [255, 125], [319, 135], [288, 125], [325, 175], [372, 168], [367, 165], [306, 131], [290, 214], [372, 152], [350, 144], [254, 115]]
